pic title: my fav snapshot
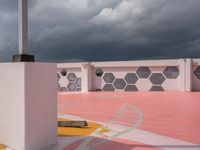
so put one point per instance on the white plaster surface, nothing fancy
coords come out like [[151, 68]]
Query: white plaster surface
[[28, 109], [12, 103], [171, 84], [144, 84]]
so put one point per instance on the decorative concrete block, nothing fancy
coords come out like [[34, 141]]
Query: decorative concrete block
[[131, 78], [171, 72], [78, 82], [71, 87], [157, 78], [119, 84], [108, 87], [131, 88], [71, 77], [30, 103], [197, 72], [143, 72], [156, 88], [109, 77]]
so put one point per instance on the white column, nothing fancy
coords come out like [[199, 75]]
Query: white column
[[185, 80], [28, 105], [86, 71], [23, 26], [182, 74], [188, 75]]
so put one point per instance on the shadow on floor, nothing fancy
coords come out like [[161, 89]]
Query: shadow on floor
[[119, 144]]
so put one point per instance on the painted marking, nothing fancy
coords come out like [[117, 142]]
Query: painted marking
[[157, 140], [149, 138], [114, 132]]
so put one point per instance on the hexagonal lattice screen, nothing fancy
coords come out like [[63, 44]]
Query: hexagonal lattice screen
[[197, 72], [58, 76], [143, 72], [119, 84], [99, 72], [78, 82], [71, 77], [131, 78], [156, 88], [157, 78], [63, 72], [108, 77], [108, 87], [71, 87], [171, 72], [131, 88], [63, 89]]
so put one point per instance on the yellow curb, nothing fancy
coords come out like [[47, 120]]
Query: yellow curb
[[2, 147], [69, 131]]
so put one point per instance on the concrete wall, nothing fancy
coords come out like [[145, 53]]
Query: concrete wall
[[196, 75], [12, 105], [151, 75], [28, 109], [69, 77], [41, 105]]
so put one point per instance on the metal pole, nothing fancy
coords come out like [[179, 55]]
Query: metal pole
[[22, 55], [23, 26]]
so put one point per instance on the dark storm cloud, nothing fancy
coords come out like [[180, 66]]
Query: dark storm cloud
[[8, 6], [98, 30]]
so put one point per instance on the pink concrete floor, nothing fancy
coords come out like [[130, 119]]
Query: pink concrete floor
[[171, 114], [116, 144]]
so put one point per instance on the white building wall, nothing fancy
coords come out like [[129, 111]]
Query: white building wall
[[41, 106], [12, 112]]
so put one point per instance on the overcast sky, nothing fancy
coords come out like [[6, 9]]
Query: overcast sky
[[104, 30]]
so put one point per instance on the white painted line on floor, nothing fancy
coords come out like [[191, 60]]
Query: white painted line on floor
[[149, 138], [157, 140]]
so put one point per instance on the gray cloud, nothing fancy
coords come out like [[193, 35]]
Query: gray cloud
[[97, 30]]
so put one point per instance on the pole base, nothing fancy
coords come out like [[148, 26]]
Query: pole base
[[23, 58]]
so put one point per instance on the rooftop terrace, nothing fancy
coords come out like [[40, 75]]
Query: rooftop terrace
[[129, 105], [169, 119]]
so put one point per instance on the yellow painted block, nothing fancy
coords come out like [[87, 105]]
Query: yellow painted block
[[2, 147], [69, 131]]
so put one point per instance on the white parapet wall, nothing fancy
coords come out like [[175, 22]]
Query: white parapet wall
[[28, 109], [69, 76], [149, 75]]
